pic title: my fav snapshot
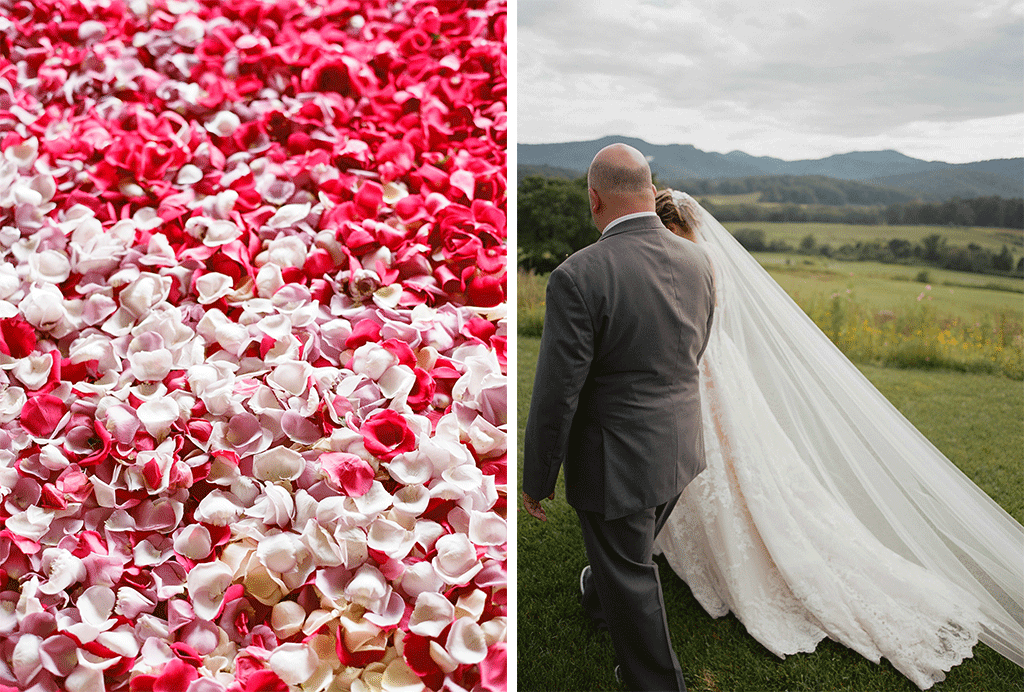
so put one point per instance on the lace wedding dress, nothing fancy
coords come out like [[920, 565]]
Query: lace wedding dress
[[823, 511]]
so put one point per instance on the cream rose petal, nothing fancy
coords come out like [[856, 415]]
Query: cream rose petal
[[431, 614], [286, 618], [223, 124], [398, 677], [278, 464]]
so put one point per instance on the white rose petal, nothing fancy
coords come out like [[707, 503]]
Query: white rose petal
[[219, 508], [25, 658], [411, 468], [486, 528], [189, 174], [466, 642], [139, 297], [367, 587], [390, 538], [279, 552], [44, 309], [194, 542], [157, 415], [421, 578], [372, 360], [289, 215], [213, 286], [471, 604], [151, 366], [34, 371], [95, 606], [91, 30], [49, 266], [294, 663], [207, 583], [412, 500], [224, 124], [456, 559], [291, 377]]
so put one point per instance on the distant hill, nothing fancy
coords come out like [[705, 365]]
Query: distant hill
[[932, 180], [547, 172], [799, 189], [964, 182]]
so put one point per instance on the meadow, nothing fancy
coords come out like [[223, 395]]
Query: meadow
[[837, 234], [883, 314], [974, 419]]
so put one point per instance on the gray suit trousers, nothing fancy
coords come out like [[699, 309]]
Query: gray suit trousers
[[625, 593]]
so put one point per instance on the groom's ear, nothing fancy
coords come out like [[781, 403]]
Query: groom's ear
[[595, 201]]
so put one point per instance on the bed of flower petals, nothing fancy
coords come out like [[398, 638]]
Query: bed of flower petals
[[252, 345]]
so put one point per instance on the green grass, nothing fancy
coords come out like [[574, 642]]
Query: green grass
[[973, 419], [837, 234], [781, 262], [877, 318], [889, 286]]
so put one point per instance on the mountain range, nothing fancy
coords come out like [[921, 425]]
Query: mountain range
[[672, 163]]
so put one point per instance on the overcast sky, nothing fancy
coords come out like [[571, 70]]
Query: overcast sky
[[792, 78]]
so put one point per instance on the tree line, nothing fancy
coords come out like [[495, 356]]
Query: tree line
[[798, 189], [554, 221], [986, 212], [933, 250]]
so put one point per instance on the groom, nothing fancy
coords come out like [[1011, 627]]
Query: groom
[[616, 401]]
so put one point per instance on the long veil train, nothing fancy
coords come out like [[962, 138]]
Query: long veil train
[[872, 460]]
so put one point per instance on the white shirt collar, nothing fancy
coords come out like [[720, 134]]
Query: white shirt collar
[[627, 217]]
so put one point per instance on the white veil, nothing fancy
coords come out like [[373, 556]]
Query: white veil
[[873, 460]]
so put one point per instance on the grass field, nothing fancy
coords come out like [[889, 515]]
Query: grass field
[[795, 263], [837, 234], [892, 287], [973, 419]]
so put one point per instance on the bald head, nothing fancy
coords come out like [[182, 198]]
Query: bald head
[[620, 183], [619, 169]]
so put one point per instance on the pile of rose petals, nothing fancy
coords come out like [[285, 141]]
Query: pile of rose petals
[[252, 345]]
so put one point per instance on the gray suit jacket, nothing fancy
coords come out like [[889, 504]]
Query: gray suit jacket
[[616, 397]]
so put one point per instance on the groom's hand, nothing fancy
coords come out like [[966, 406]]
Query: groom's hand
[[533, 506]]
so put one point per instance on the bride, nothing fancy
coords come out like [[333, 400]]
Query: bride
[[823, 512]]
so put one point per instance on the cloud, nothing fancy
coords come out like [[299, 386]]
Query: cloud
[[793, 72]]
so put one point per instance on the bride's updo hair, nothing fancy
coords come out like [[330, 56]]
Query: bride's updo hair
[[674, 220]]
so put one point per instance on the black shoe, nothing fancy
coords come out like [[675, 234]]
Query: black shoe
[[583, 574], [618, 674], [599, 621]]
